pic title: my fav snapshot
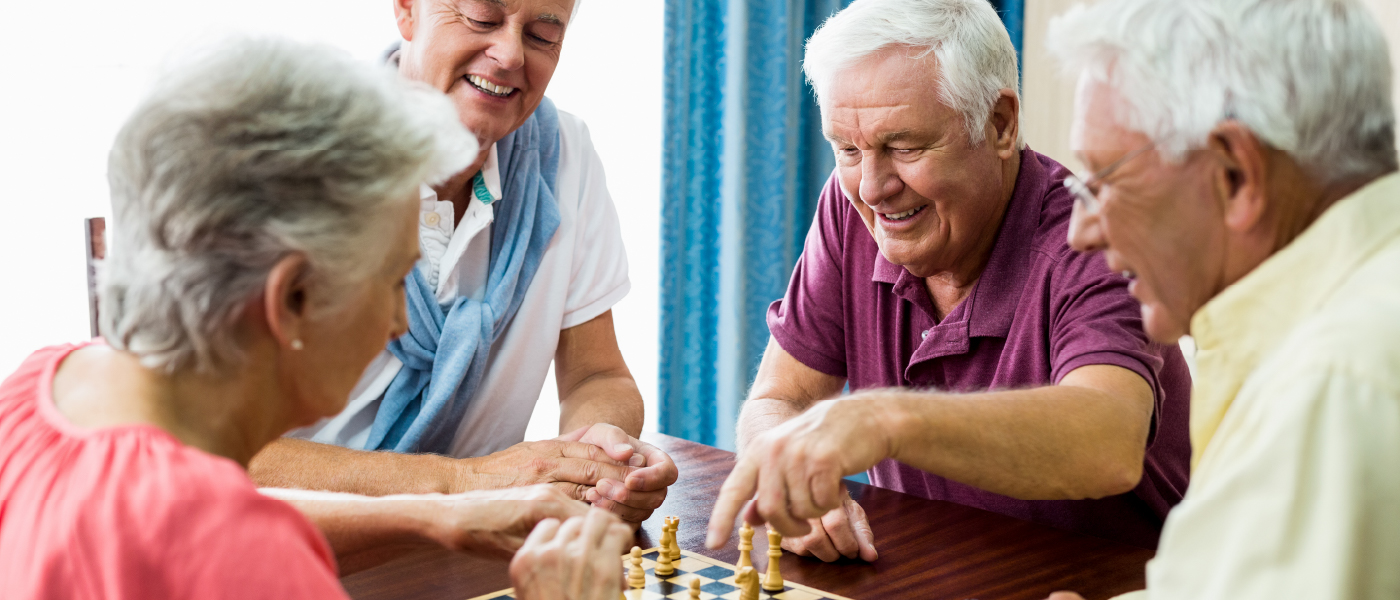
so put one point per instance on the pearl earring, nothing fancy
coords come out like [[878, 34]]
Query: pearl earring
[[297, 345]]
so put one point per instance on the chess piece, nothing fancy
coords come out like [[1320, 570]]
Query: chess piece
[[747, 582], [665, 547], [636, 577], [675, 546], [745, 545], [695, 589], [663, 562], [774, 581]]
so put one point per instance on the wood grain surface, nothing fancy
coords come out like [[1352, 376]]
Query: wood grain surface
[[928, 549]]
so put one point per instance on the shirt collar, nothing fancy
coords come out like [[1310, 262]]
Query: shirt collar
[[992, 304], [1238, 328]]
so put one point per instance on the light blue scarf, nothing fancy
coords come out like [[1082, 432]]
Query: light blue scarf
[[444, 354]]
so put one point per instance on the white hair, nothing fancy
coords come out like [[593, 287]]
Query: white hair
[[255, 150], [972, 50], [1311, 78]]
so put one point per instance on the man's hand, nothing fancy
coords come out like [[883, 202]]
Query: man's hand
[[844, 531], [1065, 596], [571, 466], [795, 469], [644, 489], [496, 522], [575, 560]]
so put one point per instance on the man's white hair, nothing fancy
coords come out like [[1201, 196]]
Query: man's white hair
[[255, 150], [1309, 77], [972, 51]]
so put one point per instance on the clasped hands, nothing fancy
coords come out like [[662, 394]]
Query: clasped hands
[[790, 477], [599, 464]]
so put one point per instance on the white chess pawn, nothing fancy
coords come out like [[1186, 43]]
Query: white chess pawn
[[636, 577]]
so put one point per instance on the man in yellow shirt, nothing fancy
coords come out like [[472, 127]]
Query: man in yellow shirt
[[1243, 159]]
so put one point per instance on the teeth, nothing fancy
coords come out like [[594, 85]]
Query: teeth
[[901, 216], [484, 85], [1128, 274]]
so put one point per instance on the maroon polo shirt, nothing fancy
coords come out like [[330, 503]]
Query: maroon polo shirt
[[1039, 311]]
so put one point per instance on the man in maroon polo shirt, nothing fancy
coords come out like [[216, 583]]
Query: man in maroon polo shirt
[[989, 364]]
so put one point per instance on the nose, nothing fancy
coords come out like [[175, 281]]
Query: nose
[[1086, 230], [508, 48], [878, 179]]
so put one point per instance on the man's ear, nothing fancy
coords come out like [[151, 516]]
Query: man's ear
[[403, 14], [1241, 174], [285, 299], [1005, 121]]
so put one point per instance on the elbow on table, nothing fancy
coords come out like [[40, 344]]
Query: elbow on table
[[1115, 477]]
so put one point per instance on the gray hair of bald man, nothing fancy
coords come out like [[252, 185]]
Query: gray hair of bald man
[[1311, 78], [971, 49], [253, 151]]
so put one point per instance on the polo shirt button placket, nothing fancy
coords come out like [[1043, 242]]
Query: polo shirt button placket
[[924, 335]]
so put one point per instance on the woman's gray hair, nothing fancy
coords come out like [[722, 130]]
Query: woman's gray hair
[[253, 151], [972, 50], [1309, 77]]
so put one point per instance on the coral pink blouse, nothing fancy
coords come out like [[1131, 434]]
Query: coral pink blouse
[[130, 512]]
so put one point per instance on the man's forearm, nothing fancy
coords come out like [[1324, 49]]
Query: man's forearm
[[610, 398], [299, 464], [762, 414], [1050, 443]]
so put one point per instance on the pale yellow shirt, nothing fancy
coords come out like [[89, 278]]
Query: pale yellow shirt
[[1295, 422]]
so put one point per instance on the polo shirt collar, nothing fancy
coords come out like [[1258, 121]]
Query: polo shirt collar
[[992, 304], [1241, 326]]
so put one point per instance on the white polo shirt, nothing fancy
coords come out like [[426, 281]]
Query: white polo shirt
[[582, 275]]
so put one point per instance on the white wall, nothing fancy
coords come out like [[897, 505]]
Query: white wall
[[72, 71]]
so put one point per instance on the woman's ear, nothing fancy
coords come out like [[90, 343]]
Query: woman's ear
[[403, 14], [285, 300], [1240, 179]]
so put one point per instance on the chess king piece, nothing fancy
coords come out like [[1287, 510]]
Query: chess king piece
[[774, 581], [636, 577], [745, 545], [675, 546], [747, 582]]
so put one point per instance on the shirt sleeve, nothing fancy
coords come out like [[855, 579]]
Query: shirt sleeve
[[1295, 495], [1094, 321], [809, 321], [598, 279]]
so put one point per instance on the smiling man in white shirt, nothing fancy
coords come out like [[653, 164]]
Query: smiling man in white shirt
[[494, 59]]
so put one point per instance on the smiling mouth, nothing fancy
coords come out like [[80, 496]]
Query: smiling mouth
[[489, 88], [903, 216]]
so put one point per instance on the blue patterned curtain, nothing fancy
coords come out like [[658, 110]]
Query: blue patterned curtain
[[743, 163]]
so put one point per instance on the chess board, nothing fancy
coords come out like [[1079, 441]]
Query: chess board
[[716, 581]]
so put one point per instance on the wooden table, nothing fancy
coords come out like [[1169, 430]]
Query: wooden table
[[928, 549]]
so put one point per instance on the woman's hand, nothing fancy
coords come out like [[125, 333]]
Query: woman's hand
[[578, 559], [496, 522]]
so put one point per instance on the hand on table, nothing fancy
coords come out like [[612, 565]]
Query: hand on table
[[644, 488], [574, 560], [571, 466], [842, 532], [793, 472], [496, 522]]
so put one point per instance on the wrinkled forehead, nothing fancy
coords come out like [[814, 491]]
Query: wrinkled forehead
[[558, 12], [1098, 118], [892, 92]]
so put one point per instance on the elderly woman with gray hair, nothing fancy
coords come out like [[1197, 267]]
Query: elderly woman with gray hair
[[265, 201]]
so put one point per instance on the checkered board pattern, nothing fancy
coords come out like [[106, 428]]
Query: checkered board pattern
[[716, 581]]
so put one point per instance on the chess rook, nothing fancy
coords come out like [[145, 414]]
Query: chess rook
[[675, 546]]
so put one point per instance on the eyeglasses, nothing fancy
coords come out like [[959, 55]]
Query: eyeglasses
[[1084, 195]]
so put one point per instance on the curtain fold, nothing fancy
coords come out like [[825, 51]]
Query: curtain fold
[[743, 161]]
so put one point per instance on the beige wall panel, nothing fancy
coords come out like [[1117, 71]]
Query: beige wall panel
[[1048, 96]]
